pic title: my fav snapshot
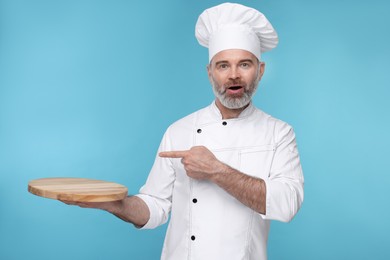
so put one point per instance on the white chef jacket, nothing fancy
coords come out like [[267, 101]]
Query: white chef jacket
[[206, 222]]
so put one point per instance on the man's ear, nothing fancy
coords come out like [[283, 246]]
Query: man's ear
[[261, 70], [208, 67]]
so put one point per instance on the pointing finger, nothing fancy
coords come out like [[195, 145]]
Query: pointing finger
[[173, 154]]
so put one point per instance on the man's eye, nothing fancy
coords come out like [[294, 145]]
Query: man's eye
[[245, 65], [223, 66]]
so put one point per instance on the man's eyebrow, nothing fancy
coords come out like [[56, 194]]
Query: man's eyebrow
[[220, 62], [227, 62], [247, 60], [241, 61]]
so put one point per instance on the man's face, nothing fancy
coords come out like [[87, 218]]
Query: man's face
[[234, 75]]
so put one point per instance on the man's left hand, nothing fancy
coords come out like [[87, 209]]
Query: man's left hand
[[199, 162]]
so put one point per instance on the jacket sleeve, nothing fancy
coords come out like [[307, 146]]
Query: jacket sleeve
[[285, 183], [157, 191]]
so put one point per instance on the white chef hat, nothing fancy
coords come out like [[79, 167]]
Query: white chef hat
[[235, 26]]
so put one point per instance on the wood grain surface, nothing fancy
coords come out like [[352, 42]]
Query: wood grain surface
[[77, 189]]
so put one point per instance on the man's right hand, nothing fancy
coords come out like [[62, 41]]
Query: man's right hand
[[131, 209], [107, 206]]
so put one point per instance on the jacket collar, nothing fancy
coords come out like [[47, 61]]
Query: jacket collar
[[245, 113]]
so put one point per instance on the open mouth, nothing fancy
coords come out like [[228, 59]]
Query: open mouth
[[235, 87], [235, 90]]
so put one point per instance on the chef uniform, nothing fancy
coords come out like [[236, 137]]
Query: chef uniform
[[207, 223]]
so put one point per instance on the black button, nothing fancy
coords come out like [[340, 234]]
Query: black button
[[192, 237], [224, 123], [194, 200], [199, 131]]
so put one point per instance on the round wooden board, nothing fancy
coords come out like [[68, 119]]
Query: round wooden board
[[77, 189]]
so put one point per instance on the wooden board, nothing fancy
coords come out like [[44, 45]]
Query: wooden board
[[77, 189]]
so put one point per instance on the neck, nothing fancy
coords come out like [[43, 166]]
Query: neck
[[228, 113]]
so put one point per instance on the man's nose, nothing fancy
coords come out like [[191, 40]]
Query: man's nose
[[234, 73]]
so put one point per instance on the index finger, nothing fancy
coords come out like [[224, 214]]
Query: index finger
[[173, 154]]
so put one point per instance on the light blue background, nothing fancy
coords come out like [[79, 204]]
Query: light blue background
[[87, 89]]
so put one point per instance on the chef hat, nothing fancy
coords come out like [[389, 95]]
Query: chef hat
[[234, 26]]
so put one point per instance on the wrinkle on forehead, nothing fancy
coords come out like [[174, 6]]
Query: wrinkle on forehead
[[233, 56]]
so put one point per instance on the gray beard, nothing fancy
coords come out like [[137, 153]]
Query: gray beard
[[234, 102]]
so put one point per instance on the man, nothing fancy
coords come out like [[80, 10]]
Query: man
[[224, 171]]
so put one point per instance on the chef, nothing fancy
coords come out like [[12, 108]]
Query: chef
[[225, 171]]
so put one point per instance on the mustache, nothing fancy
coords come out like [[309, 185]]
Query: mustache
[[234, 83]]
